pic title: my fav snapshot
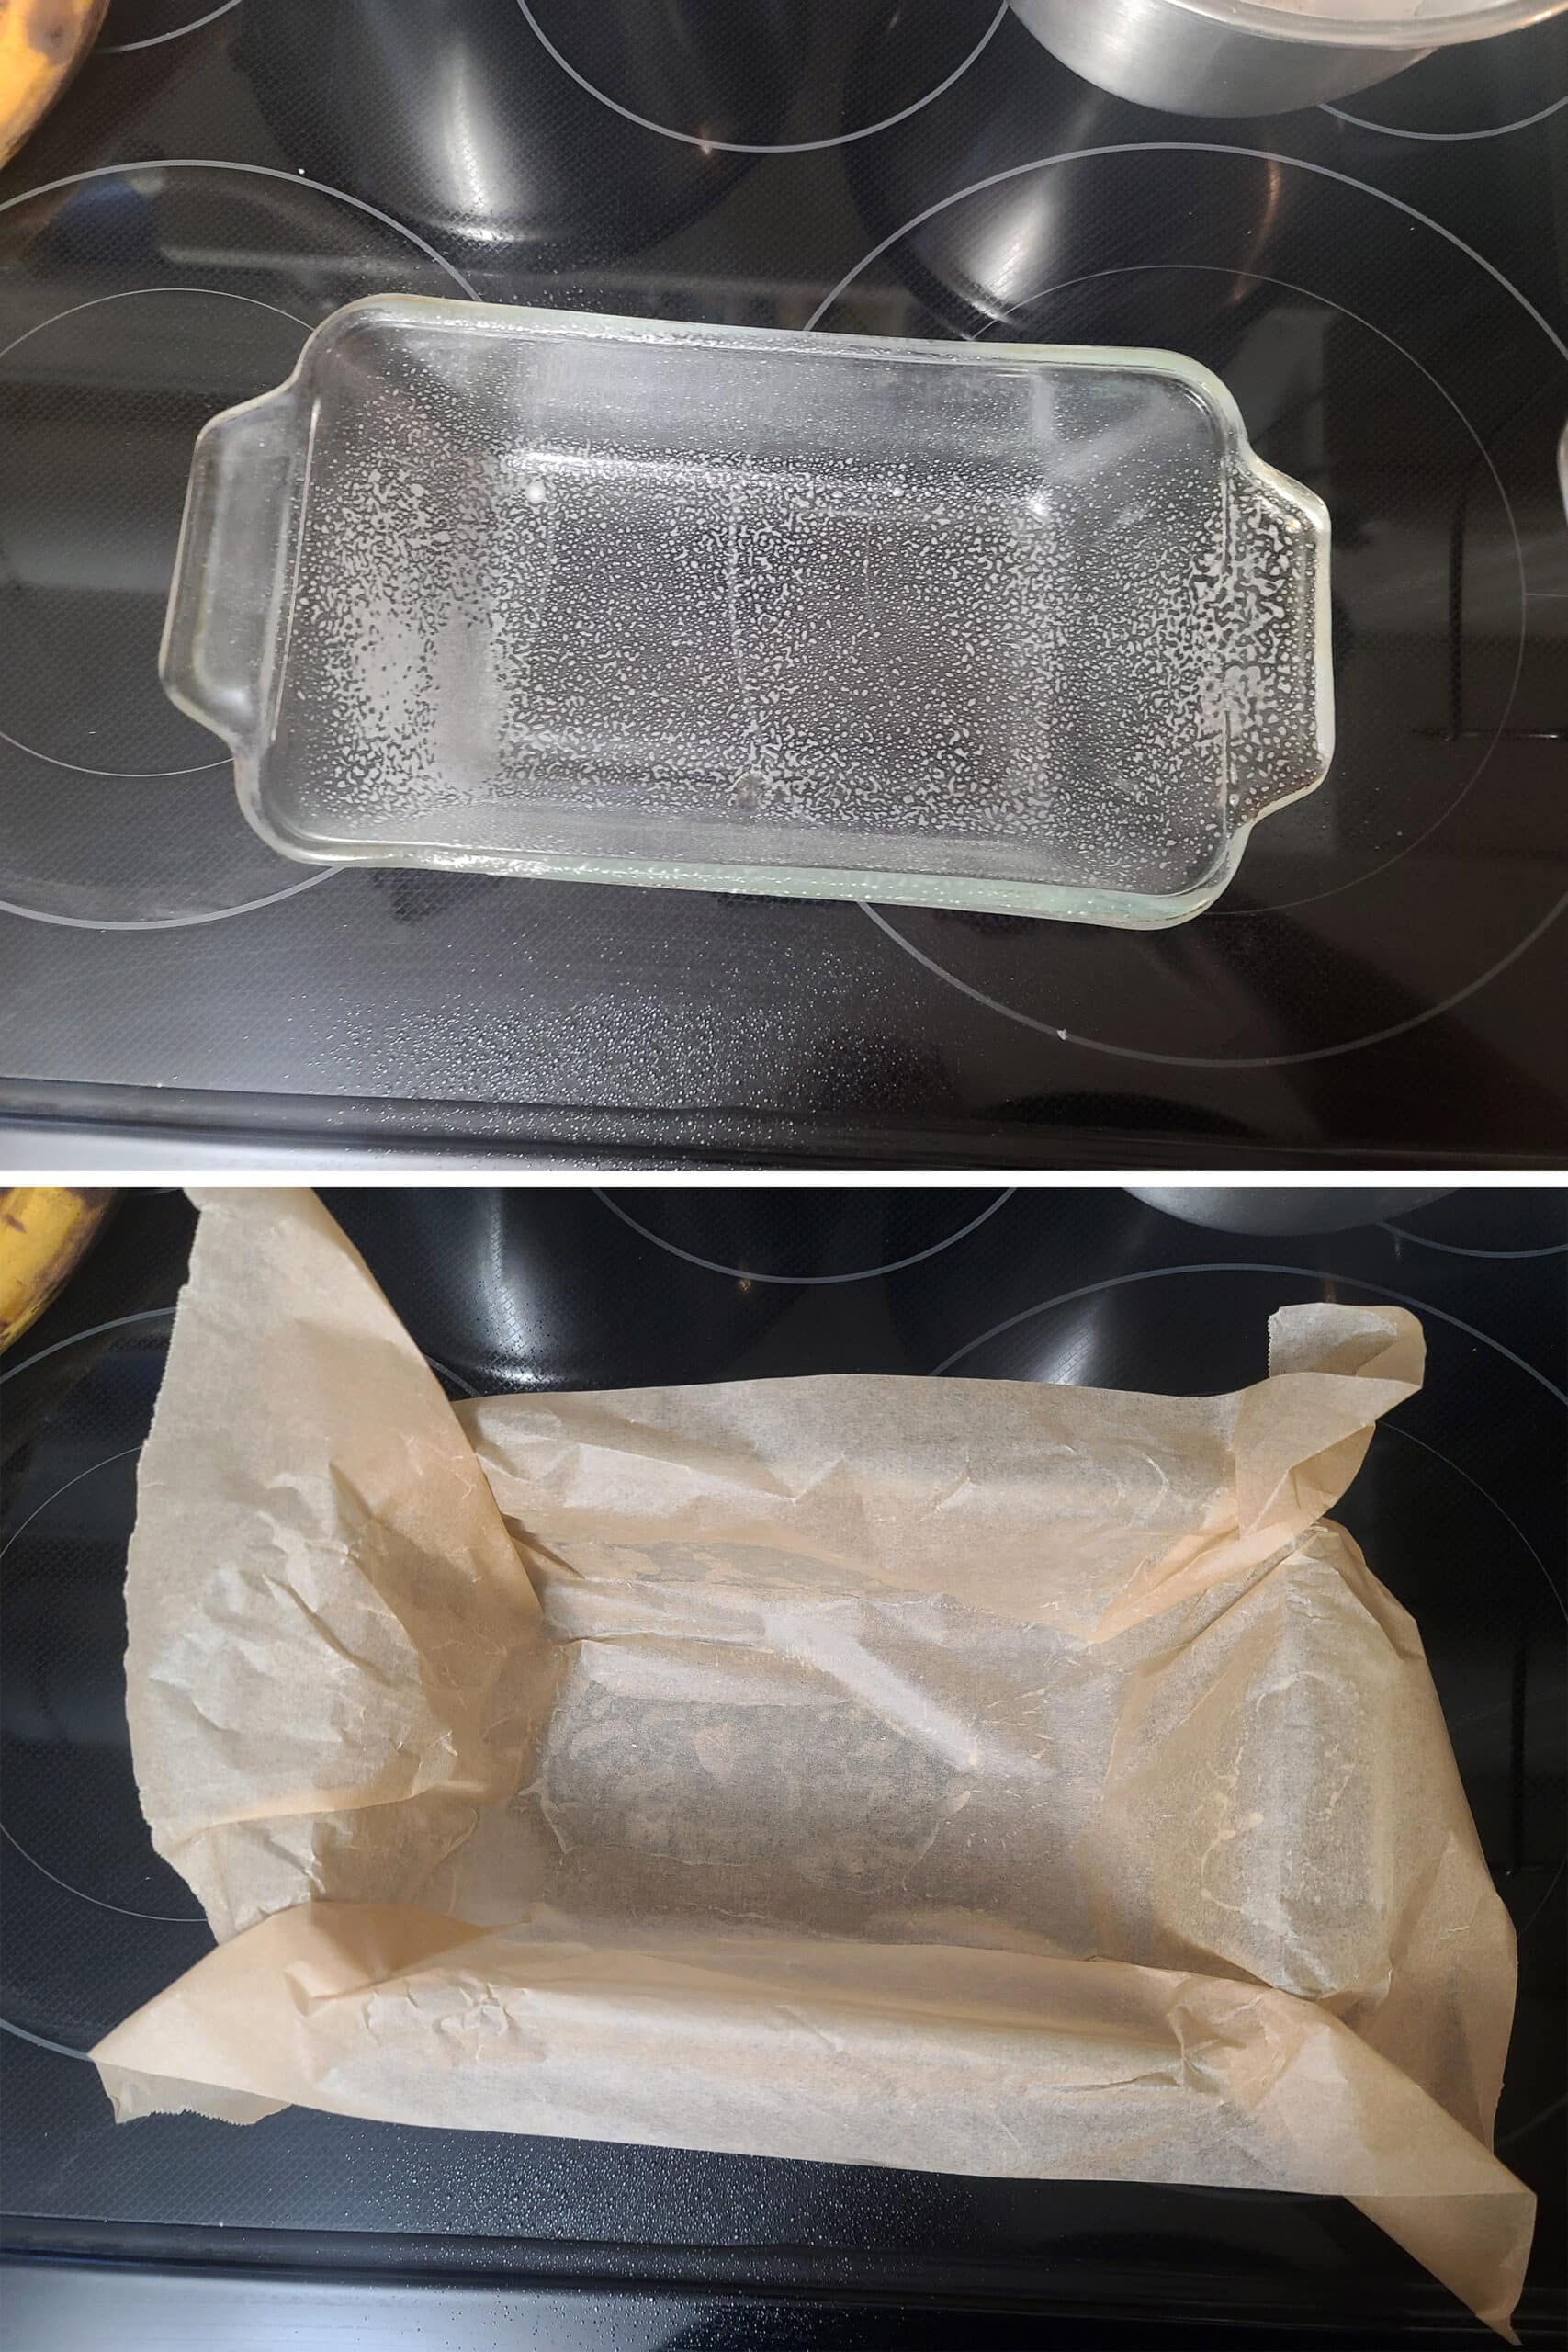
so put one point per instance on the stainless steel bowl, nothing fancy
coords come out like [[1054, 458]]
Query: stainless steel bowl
[[1231, 57]]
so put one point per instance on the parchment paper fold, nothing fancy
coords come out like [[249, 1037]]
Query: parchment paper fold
[[970, 1775]]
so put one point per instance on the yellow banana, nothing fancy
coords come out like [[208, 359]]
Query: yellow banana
[[44, 1228], [41, 44]]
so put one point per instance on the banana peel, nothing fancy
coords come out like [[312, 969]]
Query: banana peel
[[44, 1232], [41, 44]]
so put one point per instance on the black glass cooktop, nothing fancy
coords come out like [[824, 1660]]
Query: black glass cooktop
[[1459, 1508], [1385, 286]]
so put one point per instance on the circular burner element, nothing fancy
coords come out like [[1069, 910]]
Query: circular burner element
[[146, 24], [453, 116], [1480, 89], [121, 812], [71, 1806], [803, 1237], [713, 74], [68, 1799], [103, 403], [1360, 912]]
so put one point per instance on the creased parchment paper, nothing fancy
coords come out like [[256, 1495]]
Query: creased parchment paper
[[964, 1774]]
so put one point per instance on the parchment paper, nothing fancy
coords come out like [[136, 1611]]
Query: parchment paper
[[971, 1775]]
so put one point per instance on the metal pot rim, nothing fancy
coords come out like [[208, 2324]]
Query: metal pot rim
[[1473, 23]]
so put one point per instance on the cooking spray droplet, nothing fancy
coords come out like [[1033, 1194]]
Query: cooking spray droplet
[[538, 494]]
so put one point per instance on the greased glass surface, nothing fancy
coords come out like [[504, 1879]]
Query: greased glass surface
[[815, 615]]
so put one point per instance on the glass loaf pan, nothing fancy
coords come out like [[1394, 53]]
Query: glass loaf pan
[[1020, 628]]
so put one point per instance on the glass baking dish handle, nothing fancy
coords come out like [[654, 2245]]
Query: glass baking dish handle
[[231, 573], [1274, 681]]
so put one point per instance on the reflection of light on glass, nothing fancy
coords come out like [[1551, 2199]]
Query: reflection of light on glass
[[1262, 231], [1015, 253], [478, 183], [511, 1306], [1071, 1348]]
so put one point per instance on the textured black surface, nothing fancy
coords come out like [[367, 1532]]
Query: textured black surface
[[1389, 307], [1458, 1507], [70, 2306]]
